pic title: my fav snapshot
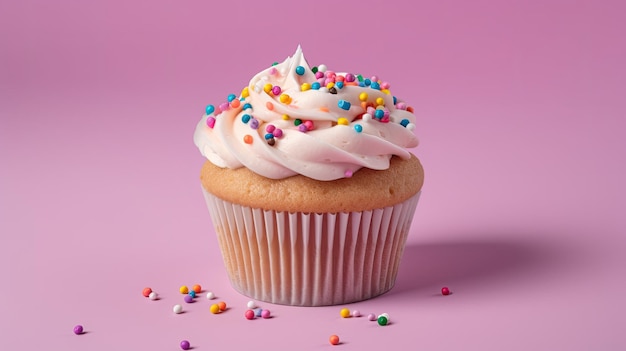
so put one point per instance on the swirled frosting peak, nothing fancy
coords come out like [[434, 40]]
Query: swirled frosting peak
[[296, 119]]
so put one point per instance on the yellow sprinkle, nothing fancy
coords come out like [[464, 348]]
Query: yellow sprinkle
[[215, 309], [245, 93], [386, 91], [305, 86], [380, 101], [363, 96], [330, 85], [285, 99], [343, 121], [286, 117], [267, 88], [345, 313]]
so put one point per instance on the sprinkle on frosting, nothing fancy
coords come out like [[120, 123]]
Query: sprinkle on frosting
[[299, 111]]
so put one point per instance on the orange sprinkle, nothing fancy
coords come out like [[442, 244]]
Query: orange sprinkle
[[222, 305], [324, 109], [269, 106], [235, 103], [350, 83], [410, 109], [247, 139], [364, 105]]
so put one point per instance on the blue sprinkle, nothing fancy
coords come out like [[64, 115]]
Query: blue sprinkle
[[358, 128], [375, 85], [231, 97], [361, 84], [245, 118], [315, 86], [404, 122], [344, 104], [379, 114], [258, 311], [367, 81], [246, 106], [269, 136], [210, 109], [339, 85], [300, 70], [395, 101], [192, 293]]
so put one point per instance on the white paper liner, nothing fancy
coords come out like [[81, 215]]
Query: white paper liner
[[310, 259]]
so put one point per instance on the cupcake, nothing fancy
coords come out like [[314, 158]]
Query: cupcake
[[309, 184]]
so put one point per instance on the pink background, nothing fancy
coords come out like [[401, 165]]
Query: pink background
[[521, 117]]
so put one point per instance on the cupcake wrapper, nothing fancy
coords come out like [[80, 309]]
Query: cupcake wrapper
[[310, 259]]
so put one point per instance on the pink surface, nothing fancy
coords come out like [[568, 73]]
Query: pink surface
[[522, 123]]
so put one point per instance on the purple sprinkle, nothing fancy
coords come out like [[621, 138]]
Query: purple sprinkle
[[276, 90], [78, 329], [254, 123], [303, 128], [224, 106], [188, 299]]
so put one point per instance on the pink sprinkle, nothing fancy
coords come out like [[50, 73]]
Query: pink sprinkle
[[348, 174], [328, 80], [374, 78], [350, 77], [224, 106], [309, 125], [217, 111], [371, 110], [340, 78], [321, 80], [385, 119], [384, 85], [210, 122], [270, 128], [386, 113], [401, 106], [276, 90], [319, 75], [273, 70], [277, 133], [331, 74]]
